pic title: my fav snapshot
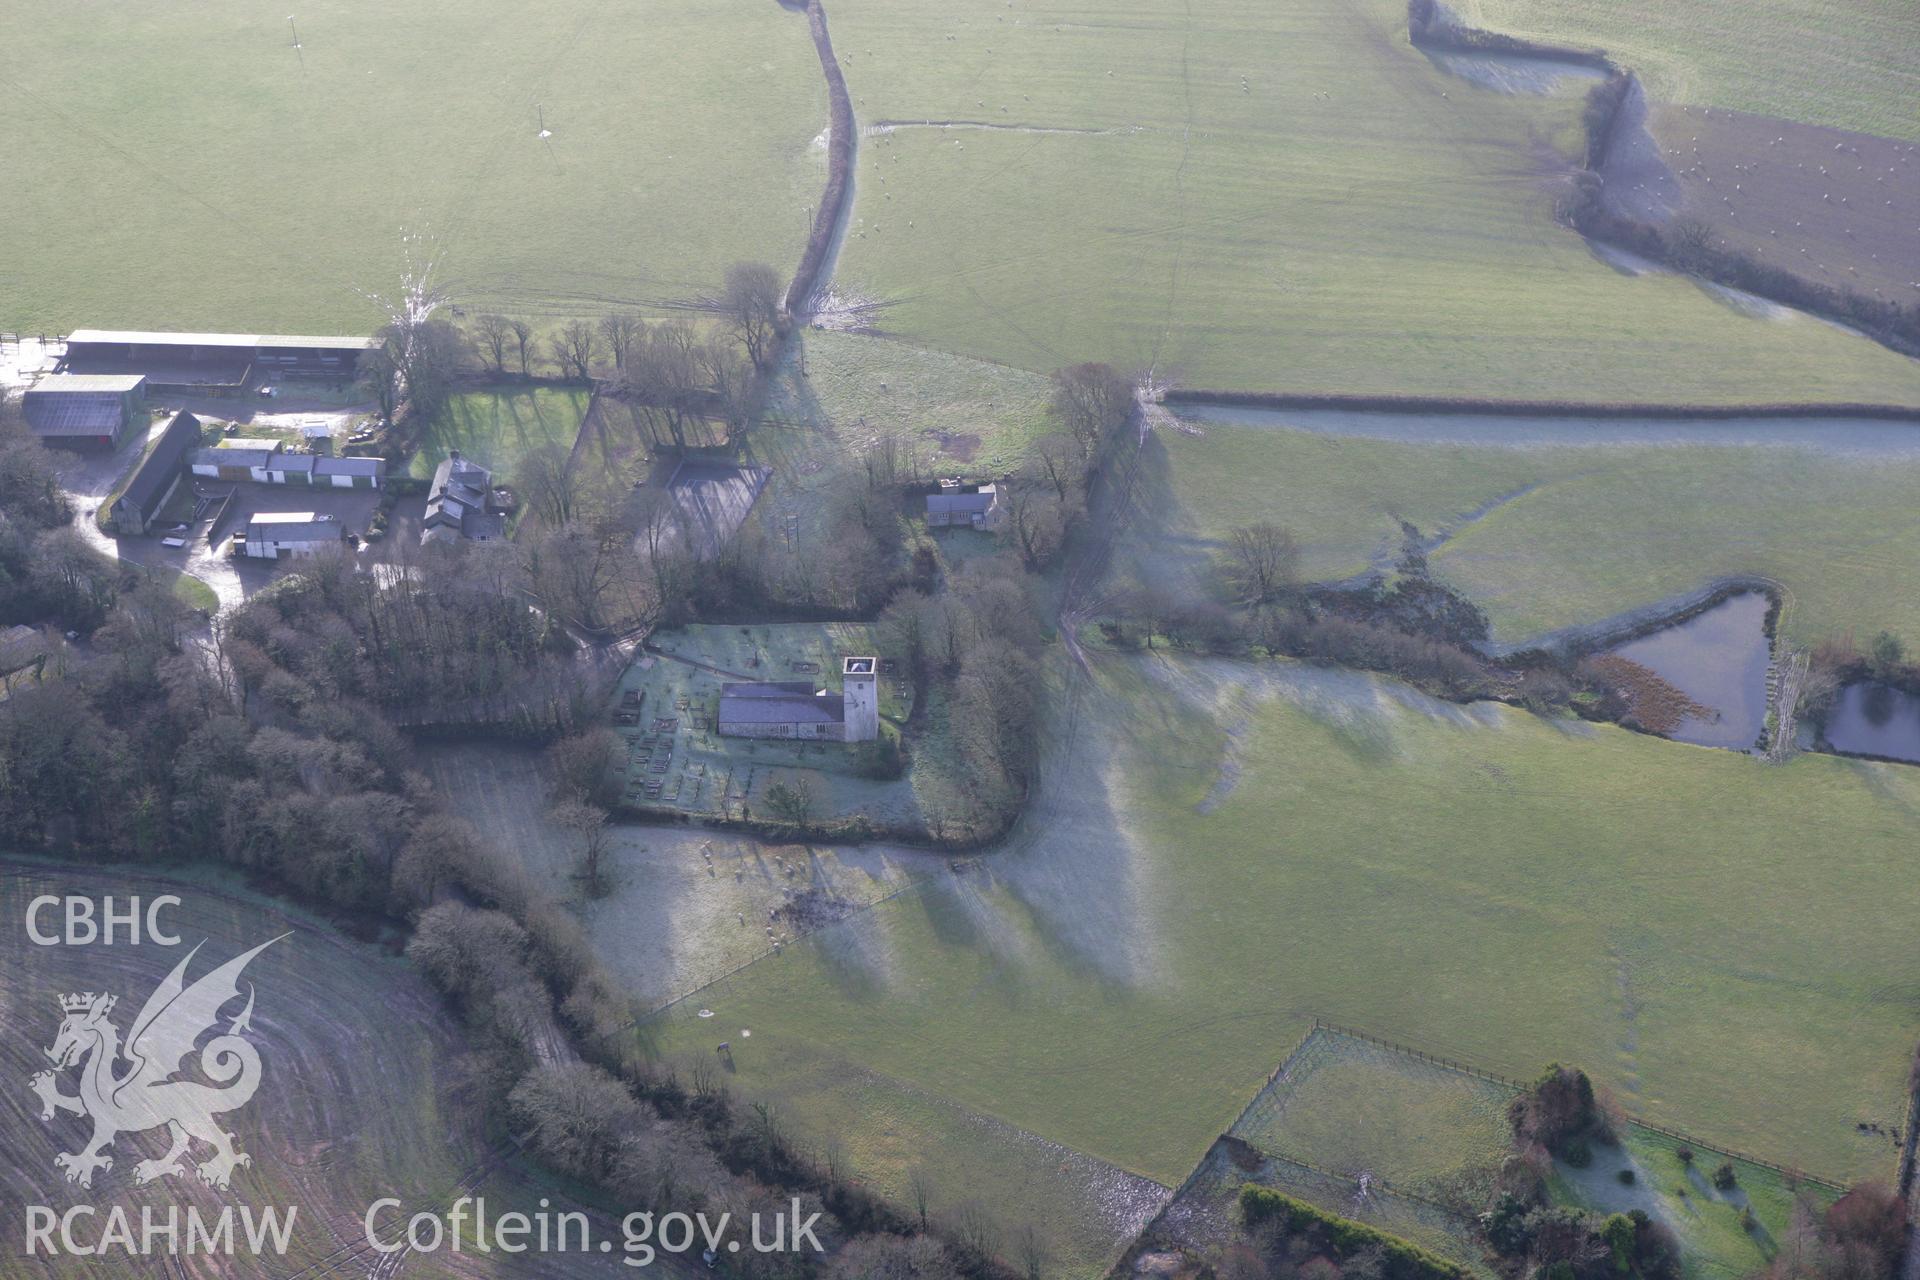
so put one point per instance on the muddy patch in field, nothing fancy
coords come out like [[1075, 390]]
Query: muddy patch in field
[[1827, 205], [961, 446]]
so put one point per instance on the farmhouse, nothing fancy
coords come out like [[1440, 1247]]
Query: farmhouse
[[291, 535], [795, 709], [462, 503], [84, 411], [211, 362], [959, 508], [157, 477]]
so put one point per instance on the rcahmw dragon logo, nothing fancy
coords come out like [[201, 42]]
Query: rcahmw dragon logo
[[148, 1094]]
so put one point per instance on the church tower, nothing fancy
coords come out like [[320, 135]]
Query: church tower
[[860, 685]]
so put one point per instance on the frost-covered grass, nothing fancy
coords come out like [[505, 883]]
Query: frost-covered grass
[[1717, 940]]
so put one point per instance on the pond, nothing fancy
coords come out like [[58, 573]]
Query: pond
[[1873, 719], [1719, 659]]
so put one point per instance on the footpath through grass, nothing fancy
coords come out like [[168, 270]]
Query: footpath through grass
[[1720, 942], [1242, 194]]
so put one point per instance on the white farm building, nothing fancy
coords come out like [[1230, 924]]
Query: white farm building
[[265, 462], [291, 535]]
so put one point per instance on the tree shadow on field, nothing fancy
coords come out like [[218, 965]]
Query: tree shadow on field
[[853, 956], [1162, 548], [1081, 878]]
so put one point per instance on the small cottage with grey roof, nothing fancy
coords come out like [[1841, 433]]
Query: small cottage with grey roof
[[958, 508]]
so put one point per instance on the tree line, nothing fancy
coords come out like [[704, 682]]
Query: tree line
[[678, 372]]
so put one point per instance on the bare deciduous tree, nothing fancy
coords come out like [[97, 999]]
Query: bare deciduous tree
[[495, 333], [380, 380], [618, 331], [574, 348], [546, 481], [586, 824], [1094, 402], [523, 339], [792, 801], [751, 300], [1036, 520], [1261, 563]]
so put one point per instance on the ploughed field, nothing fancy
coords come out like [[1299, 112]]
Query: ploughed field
[[1557, 524], [1221, 851], [1244, 195], [1832, 206], [187, 167]]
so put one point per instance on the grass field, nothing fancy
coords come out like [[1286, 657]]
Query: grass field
[[1352, 1107], [1718, 941], [954, 416], [1548, 537], [271, 194], [1845, 63], [1205, 1216], [499, 428], [1247, 195]]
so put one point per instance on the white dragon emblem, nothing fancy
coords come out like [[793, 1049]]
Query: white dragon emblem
[[148, 1094]]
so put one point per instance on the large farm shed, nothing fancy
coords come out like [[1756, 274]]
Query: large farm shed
[[157, 477], [212, 362], [84, 411]]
